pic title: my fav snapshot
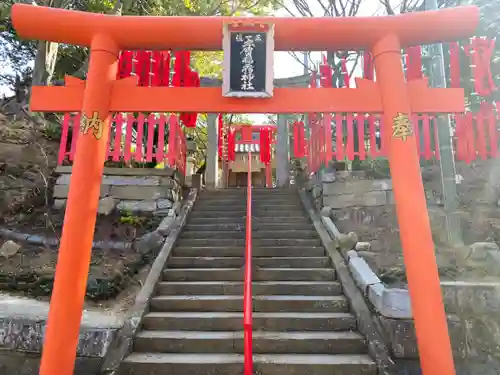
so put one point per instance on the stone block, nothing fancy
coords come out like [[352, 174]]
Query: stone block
[[106, 205], [330, 227], [362, 274], [61, 191], [395, 303], [325, 211], [471, 298], [328, 176], [59, 204], [166, 225], [352, 254], [356, 187], [177, 208], [164, 204], [131, 181], [136, 206], [374, 294], [63, 179], [140, 192], [369, 199], [370, 258], [9, 249], [316, 191], [149, 241], [363, 246]]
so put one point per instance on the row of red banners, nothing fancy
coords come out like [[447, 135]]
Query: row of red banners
[[153, 69]]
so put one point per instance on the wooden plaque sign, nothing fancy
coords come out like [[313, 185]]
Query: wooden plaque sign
[[248, 60]]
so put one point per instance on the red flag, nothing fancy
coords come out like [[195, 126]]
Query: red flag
[[221, 138], [165, 73], [157, 68], [414, 63], [231, 153], [143, 67], [368, 65], [265, 145], [481, 51], [326, 73], [298, 139], [345, 73], [454, 65], [125, 65]]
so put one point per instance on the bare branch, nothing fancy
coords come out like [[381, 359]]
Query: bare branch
[[388, 7], [301, 62]]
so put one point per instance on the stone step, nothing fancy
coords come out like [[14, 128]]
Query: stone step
[[197, 213], [232, 321], [241, 220], [231, 262], [256, 201], [259, 274], [242, 207], [243, 191], [261, 251], [260, 303], [300, 288], [343, 342], [265, 234], [256, 226], [232, 364], [257, 242]]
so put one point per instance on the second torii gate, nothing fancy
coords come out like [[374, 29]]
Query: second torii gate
[[102, 94]]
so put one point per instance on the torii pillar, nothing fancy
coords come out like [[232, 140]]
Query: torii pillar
[[411, 208], [79, 221]]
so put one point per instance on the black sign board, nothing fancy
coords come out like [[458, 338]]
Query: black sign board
[[248, 63]]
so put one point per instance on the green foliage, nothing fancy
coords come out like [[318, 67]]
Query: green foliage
[[128, 218], [52, 131]]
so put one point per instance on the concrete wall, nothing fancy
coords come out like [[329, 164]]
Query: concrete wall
[[134, 189]]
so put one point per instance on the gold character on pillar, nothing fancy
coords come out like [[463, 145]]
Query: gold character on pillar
[[402, 127], [94, 124]]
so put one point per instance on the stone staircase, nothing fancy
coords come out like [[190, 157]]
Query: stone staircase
[[301, 321]]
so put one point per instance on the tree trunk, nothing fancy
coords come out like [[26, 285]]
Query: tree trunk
[[46, 54], [45, 63]]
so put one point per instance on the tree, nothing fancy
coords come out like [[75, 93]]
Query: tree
[[326, 8]]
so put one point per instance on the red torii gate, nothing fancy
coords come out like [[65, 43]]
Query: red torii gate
[[102, 94]]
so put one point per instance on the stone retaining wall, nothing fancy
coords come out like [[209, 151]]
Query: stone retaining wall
[[471, 307], [129, 189], [22, 324], [344, 189]]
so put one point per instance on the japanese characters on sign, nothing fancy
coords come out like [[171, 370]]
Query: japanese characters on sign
[[248, 56], [93, 124], [248, 44], [402, 127]]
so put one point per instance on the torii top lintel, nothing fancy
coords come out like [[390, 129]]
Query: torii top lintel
[[205, 33]]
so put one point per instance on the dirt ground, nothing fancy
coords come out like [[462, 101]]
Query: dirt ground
[[28, 157]]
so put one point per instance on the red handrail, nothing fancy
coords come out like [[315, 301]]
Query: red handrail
[[247, 294]]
